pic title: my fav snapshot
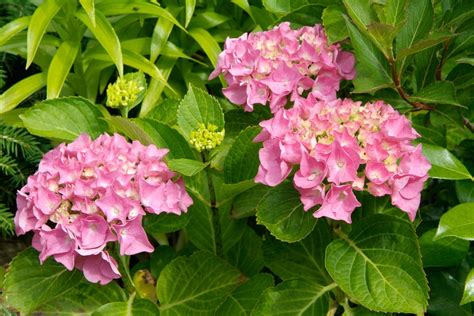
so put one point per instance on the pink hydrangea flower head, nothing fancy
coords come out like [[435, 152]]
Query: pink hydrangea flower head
[[339, 146], [281, 64], [90, 193]]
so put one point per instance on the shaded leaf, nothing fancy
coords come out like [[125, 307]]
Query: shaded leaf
[[442, 92], [444, 252]]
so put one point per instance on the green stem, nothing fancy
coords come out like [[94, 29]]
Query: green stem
[[124, 111], [161, 238], [125, 272]]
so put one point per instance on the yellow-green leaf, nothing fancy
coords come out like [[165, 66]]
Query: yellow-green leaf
[[14, 27], [190, 5], [89, 7], [60, 67], [20, 91]]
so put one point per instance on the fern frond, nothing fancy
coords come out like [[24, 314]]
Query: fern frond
[[3, 76], [7, 227], [8, 165], [14, 140]]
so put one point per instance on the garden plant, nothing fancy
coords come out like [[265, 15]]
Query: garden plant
[[243, 157]]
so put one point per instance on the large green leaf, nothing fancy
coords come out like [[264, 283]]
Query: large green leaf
[[441, 92], [134, 306], [246, 254], [444, 252], [12, 28], [187, 167], [426, 42], [20, 91], [197, 284], [281, 212], [244, 298], [379, 265], [295, 297], [241, 162], [302, 259], [28, 284], [334, 24], [60, 67], [38, 24], [443, 164], [457, 222], [198, 107], [165, 223], [64, 119], [245, 204], [468, 295], [372, 69], [105, 34]]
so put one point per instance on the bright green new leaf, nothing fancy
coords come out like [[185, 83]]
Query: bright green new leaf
[[302, 259], [457, 222], [60, 67], [38, 24], [190, 5], [444, 252], [21, 90], [28, 284], [161, 33], [444, 165], [281, 212], [12, 28], [295, 297], [198, 107], [88, 6], [468, 295], [379, 265], [64, 119], [105, 35], [241, 162], [186, 167], [195, 284], [372, 69], [207, 43], [441, 92], [244, 298], [334, 24]]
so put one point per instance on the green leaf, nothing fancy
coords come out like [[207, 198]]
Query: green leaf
[[334, 24], [38, 24], [190, 5], [241, 162], [165, 223], [134, 306], [166, 112], [123, 7], [245, 204], [281, 212], [444, 165], [379, 265], [395, 12], [305, 15], [295, 297], [245, 297], [187, 167], [441, 92], [12, 28], [105, 35], [208, 20], [197, 284], [444, 252], [198, 107], [164, 136], [64, 119], [88, 6], [468, 295], [246, 255], [371, 67], [457, 222], [465, 191], [445, 294], [131, 130], [161, 33], [382, 36], [424, 43], [207, 43], [28, 284], [466, 60], [60, 67], [302, 259], [361, 13], [419, 19], [160, 259], [20, 91], [84, 298], [201, 230]]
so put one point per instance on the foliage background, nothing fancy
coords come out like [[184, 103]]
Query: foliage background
[[416, 55]]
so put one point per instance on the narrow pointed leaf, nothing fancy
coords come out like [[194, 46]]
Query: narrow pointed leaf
[[105, 35], [89, 7], [381, 273], [21, 91], [12, 28], [161, 33], [468, 295], [457, 222], [190, 5], [60, 67], [207, 43], [39, 22]]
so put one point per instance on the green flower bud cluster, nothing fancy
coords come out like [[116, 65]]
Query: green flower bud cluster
[[123, 93], [206, 138]]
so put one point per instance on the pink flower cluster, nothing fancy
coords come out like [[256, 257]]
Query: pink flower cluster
[[341, 146], [89, 193], [272, 65]]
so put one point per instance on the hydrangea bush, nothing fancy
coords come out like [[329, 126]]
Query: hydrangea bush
[[307, 168]]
